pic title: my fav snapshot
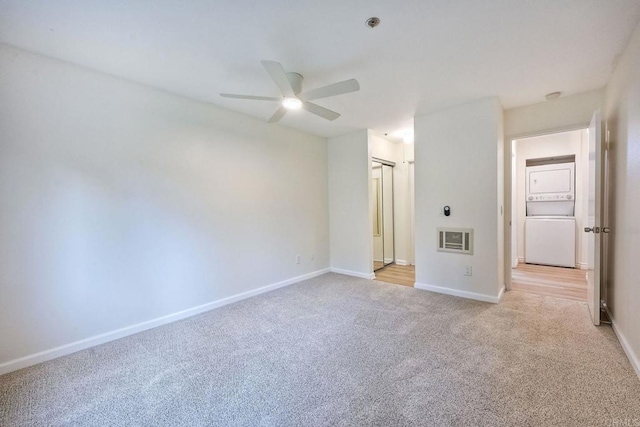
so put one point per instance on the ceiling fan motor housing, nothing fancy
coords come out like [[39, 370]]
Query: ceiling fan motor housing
[[296, 82]]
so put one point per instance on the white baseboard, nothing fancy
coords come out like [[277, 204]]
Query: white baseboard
[[583, 266], [397, 262], [521, 260], [458, 293], [633, 358], [369, 276], [63, 350]]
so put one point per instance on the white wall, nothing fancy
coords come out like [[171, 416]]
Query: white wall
[[622, 116], [573, 111], [408, 152], [503, 216], [397, 152], [512, 196], [350, 211], [120, 203], [557, 144], [456, 157]]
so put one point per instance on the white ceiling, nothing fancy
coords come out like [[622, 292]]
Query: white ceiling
[[424, 56]]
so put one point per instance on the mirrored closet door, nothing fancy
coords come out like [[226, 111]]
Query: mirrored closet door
[[382, 208]]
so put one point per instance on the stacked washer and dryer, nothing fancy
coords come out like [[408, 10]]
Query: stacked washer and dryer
[[550, 224]]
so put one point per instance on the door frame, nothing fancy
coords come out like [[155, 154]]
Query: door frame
[[411, 171]]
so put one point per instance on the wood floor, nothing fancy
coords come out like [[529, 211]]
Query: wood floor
[[399, 274], [558, 282]]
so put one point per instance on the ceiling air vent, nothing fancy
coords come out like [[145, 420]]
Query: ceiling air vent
[[456, 240]]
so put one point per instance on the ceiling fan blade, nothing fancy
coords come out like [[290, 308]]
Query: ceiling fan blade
[[320, 111], [332, 90], [255, 98], [277, 115], [278, 75]]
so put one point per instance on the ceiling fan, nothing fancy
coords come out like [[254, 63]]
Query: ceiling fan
[[293, 98]]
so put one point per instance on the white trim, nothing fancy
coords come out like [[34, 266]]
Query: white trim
[[369, 276], [402, 262], [633, 358], [521, 260], [579, 265], [458, 293], [534, 134], [411, 179], [63, 350]]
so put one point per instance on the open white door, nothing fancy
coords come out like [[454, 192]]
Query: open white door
[[593, 224]]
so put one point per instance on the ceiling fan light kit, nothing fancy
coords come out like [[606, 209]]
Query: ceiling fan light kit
[[292, 103], [290, 85]]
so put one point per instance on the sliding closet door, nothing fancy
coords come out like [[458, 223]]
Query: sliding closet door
[[388, 236]]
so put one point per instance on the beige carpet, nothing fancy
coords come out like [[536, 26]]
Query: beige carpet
[[337, 350]]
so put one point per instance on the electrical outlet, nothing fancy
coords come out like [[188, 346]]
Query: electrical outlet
[[297, 259], [468, 270]]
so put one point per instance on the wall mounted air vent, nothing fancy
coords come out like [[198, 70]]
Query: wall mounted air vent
[[456, 240]]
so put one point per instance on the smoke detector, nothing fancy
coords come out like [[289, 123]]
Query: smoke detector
[[373, 22]]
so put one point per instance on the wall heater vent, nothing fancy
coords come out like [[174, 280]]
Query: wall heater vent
[[456, 240]]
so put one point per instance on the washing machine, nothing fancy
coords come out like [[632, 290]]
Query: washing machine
[[550, 240], [550, 225]]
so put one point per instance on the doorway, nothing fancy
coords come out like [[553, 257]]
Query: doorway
[[390, 203], [549, 207], [390, 160]]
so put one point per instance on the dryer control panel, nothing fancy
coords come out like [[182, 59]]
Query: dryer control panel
[[549, 197]]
